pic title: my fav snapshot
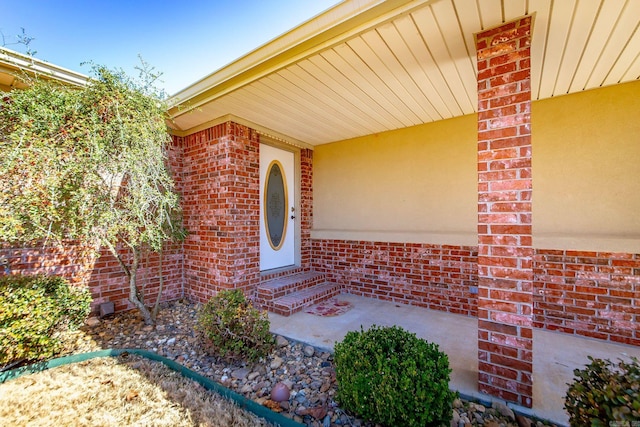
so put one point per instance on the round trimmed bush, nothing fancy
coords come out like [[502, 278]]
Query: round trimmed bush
[[389, 376], [231, 327], [604, 393]]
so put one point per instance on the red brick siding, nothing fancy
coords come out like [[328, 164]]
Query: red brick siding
[[593, 294], [434, 276], [220, 172], [103, 274], [107, 281], [505, 274], [69, 262], [306, 206]]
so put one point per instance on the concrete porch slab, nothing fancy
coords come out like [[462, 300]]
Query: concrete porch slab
[[555, 355]]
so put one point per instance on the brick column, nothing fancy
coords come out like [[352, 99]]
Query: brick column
[[221, 204], [306, 206], [505, 272]]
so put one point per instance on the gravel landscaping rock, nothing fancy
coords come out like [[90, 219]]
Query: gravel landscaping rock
[[307, 371]]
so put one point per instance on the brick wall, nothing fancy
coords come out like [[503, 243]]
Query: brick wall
[[103, 274], [107, 281], [306, 206], [221, 199], [69, 261], [592, 294], [505, 274], [434, 276]]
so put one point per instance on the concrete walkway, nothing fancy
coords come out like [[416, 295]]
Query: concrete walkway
[[555, 355]]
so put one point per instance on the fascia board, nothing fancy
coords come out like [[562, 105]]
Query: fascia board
[[344, 21], [11, 61]]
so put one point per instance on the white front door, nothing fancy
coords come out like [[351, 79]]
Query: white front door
[[277, 208]]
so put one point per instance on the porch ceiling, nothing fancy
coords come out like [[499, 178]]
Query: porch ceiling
[[370, 66]]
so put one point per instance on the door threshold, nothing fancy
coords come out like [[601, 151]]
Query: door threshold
[[280, 271]]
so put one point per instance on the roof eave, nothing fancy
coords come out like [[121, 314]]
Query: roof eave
[[341, 22], [12, 62]]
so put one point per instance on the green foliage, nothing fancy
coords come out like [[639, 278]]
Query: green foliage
[[38, 168], [389, 376], [67, 152], [89, 164], [33, 311], [232, 328], [127, 123], [604, 392]]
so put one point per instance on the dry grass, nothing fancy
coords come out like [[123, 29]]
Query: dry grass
[[115, 392]]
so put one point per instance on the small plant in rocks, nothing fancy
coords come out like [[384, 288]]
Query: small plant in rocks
[[604, 393], [231, 327], [34, 311], [389, 376]]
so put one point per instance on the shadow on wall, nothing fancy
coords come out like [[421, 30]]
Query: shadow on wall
[[102, 273]]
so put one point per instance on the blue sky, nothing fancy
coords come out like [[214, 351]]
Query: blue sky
[[185, 39]]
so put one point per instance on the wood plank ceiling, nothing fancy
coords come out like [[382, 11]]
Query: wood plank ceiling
[[419, 67]]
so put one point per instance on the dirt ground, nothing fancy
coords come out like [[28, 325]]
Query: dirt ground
[[123, 391]]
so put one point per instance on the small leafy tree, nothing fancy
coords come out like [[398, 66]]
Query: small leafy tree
[[89, 164], [132, 139]]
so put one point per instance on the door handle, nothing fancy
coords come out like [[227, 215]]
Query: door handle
[[293, 217]]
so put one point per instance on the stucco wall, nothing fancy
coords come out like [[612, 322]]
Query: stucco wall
[[586, 170], [420, 185], [412, 185]]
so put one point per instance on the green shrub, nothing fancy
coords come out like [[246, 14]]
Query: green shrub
[[34, 310], [389, 376], [232, 328], [604, 392]]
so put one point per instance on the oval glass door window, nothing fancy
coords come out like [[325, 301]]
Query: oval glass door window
[[275, 205]]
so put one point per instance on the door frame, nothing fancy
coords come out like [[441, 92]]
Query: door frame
[[297, 177]]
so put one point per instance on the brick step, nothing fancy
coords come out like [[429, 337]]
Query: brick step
[[282, 272], [269, 290], [294, 302]]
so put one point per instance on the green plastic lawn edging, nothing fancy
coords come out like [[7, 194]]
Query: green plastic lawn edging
[[238, 399]]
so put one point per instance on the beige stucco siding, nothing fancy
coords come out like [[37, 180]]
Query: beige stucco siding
[[412, 185], [586, 170], [419, 184]]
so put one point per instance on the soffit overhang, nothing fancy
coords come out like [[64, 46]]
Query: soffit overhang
[[365, 67]]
